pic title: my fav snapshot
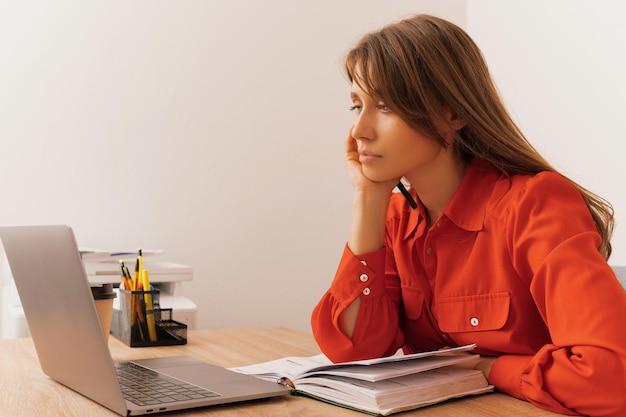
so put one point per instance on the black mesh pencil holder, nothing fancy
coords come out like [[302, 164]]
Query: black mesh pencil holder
[[143, 323]]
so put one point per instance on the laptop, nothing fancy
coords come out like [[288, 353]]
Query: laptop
[[72, 349]]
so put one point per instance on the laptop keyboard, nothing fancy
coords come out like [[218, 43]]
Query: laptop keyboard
[[144, 386]]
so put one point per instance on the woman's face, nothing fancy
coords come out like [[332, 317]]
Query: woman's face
[[388, 148]]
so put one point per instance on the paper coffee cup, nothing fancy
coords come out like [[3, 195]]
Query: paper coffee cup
[[103, 297]]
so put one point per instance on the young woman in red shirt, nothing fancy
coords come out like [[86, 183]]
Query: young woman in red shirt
[[497, 248]]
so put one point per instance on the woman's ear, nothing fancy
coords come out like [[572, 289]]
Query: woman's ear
[[448, 124], [454, 120]]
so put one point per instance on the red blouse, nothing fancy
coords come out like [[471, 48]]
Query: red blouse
[[511, 265]]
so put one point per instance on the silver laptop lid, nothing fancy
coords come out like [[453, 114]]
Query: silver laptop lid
[[60, 311]]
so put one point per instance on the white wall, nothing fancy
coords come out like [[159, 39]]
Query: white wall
[[210, 129], [560, 66]]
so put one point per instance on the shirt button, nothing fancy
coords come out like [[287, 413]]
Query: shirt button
[[429, 250], [363, 263], [364, 277], [474, 321], [366, 291]]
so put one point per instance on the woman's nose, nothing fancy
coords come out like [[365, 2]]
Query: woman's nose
[[362, 127]]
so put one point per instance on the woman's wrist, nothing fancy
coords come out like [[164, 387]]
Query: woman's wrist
[[369, 211]]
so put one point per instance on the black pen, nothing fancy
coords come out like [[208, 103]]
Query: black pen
[[406, 195]]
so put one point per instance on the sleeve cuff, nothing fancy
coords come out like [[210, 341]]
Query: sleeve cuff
[[356, 275], [506, 374]]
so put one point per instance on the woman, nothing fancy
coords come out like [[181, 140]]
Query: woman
[[496, 249]]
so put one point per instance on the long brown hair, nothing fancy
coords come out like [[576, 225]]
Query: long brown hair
[[422, 65]]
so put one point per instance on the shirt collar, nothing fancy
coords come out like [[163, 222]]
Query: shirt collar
[[468, 206]]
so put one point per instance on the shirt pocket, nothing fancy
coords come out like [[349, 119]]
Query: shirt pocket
[[413, 301], [473, 313]]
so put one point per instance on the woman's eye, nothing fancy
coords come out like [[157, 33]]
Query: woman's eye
[[383, 107], [355, 108]]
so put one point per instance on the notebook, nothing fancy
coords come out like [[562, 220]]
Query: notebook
[[72, 349]]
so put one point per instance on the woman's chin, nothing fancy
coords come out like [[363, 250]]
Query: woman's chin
[[376, 176]]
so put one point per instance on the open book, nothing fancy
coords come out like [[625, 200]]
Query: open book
[[380, 386]]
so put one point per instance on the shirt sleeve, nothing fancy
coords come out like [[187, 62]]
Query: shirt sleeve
[[376, 332], [554, 243]]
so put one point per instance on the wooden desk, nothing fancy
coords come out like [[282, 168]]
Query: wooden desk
[[26, 391]]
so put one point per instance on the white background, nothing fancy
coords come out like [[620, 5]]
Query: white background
[[214, 129]]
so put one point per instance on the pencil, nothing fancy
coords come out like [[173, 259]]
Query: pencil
[[149, 306], [140, 263], [126, 280], [140, 311], [136, 276]]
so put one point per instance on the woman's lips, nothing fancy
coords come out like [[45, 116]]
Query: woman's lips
[[367, 157]]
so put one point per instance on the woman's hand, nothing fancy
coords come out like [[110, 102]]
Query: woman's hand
[[371, 199], [355, 171], [484, 364]]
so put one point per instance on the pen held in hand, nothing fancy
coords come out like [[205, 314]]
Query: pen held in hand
[[406, 195]]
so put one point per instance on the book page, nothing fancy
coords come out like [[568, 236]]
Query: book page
[[385, 370], [293, 367], [401, 357], [289, 367]]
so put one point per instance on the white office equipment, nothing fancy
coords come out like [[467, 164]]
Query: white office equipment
[[12, 320], [167, 277]]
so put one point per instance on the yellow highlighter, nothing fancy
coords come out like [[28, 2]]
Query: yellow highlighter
[[149, 307]]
